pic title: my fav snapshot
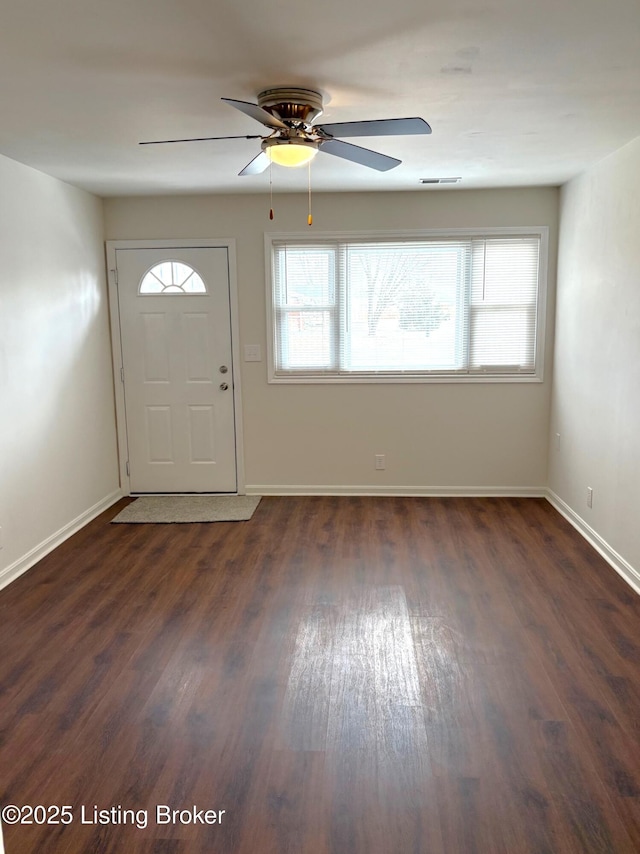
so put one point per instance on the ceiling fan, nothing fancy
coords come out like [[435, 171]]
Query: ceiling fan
[[294, 138]]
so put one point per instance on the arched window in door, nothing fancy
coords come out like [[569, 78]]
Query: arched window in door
[[172, 277]]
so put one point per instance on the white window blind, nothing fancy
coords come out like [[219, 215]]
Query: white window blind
[[427, 307]]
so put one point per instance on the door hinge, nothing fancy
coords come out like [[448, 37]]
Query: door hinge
[[115, 274], [128, 472], [121, 375]]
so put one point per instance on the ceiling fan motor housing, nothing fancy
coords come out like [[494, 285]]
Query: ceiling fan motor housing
[[292, 105]]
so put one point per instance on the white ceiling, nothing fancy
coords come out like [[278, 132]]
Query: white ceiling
[[517, 93]]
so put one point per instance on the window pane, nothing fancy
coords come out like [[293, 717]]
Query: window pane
[[504, 298], [307, 340], [306, 276], [304, 297], [505, 272], [503, 337], [151, 285], [193, 284], [163, 272], [403, 306]]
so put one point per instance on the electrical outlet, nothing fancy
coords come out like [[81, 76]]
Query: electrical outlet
[[589, 497], [380, 463]]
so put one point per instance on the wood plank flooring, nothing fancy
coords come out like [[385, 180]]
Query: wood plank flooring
[[339, 675]]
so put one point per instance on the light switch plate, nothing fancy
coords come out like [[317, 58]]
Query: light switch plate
[[252, 353]]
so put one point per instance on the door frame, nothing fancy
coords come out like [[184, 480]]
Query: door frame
[[112, 246]]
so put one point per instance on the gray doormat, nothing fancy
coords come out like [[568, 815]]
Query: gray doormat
[[189, 508]]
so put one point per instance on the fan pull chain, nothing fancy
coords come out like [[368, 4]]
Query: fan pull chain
[[270, 190], [310, 217]]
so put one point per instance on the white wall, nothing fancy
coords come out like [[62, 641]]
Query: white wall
[[57, 426], [437, 435], [596, 390]]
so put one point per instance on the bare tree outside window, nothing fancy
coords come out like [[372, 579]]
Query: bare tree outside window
[[400, 280]]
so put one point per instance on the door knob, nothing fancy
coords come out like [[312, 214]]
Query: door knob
[[224, 386]]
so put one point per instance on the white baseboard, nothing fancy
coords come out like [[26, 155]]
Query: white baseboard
[[621, 566], [11, 572], [401, 491]]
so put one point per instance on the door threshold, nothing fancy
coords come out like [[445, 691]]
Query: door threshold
[[173, 494]]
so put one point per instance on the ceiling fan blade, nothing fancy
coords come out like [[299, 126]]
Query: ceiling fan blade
[[256, 113], [257, 165], [377, 127], [195, 139], [364, 156]]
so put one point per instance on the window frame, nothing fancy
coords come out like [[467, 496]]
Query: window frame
[[310, 378]]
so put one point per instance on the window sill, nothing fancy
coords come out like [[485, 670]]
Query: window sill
[[318, 379]]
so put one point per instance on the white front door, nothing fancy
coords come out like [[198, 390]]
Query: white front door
[[175, 328]]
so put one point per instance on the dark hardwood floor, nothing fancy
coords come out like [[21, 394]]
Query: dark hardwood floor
[[339, 675]]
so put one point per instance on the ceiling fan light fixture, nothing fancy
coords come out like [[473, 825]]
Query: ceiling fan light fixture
[[290, 152]]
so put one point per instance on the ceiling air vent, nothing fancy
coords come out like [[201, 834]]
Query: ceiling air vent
[[440, 180]]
